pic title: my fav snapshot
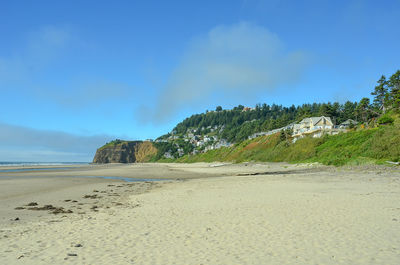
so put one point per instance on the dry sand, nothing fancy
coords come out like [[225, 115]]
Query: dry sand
[[209, 214]]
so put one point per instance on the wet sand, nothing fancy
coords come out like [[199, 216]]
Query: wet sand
[[272, 213]]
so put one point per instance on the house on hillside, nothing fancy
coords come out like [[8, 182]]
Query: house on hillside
[[314, 126], [180, 152], [247, 109], [313, 123], [168, 155], [200, 143], [347, 124]]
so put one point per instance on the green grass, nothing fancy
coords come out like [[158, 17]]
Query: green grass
[[360, 147], [112, 143], [364, 146]]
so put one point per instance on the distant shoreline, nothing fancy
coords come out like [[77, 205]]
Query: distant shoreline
[[14, 163]]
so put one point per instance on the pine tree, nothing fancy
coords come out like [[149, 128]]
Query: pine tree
[[394, 85], [381, 94], [363, 110]]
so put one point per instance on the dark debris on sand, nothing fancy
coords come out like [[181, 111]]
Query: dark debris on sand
[[94, 196], [51, 208]]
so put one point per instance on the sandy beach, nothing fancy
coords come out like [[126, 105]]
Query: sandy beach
[[267, 213]]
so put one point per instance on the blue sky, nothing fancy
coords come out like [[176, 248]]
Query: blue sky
[[75, 74]]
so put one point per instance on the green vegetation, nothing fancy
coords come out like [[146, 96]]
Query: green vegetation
[[172, 147], [385, 119], [356, 147], [368, 145], [240, 122], [113, 143], [375, 139]]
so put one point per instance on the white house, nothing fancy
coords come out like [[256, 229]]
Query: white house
[[314, 126]]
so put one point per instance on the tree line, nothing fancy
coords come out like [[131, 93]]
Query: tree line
[[241, 122]]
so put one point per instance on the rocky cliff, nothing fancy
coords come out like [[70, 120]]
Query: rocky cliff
[[125, 152]]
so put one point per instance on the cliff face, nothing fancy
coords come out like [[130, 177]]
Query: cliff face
[[125, 152]]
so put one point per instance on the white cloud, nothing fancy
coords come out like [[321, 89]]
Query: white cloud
[[238, 60], [22, 143], [11, 155]]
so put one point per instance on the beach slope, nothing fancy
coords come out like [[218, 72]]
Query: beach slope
[[248, 214]]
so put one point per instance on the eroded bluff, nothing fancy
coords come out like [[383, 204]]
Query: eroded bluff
[[125, 152]]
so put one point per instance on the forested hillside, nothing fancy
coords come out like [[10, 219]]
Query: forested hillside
[[240, 122], [222, 128], [375, 145]]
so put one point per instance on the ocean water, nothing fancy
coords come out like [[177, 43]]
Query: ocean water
[[22, 164], [29, 168]]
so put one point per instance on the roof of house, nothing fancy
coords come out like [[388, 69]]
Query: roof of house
[[348, 122], [315, 120]]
